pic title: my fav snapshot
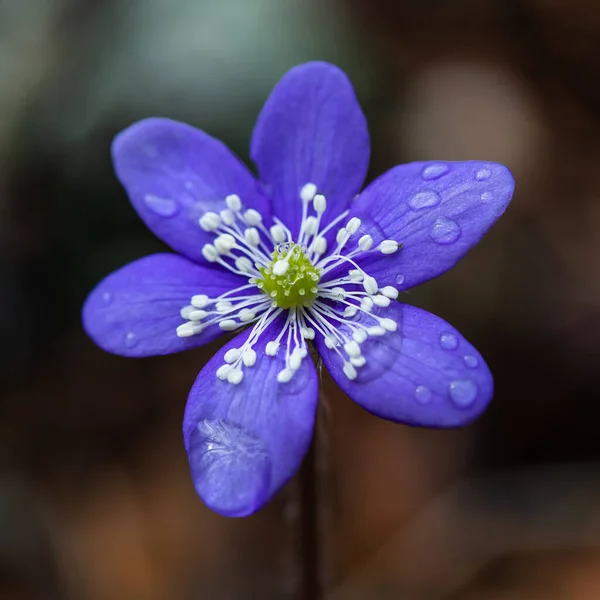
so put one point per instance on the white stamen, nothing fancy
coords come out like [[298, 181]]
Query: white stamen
[[366, 303], [249, 357], [272, 348], [227, 216], [232, 355], [210, 253], [388, 246], [243, 264], [186, 311], [352, 348], [381, 300], [225, 243], [223, 306], [200, 301], [308, 191], [285, 375], [319, 245], [234, 203], [359, 336], [356, 276], [210, 221], [376, 330], [235, 376], [389, 324], [358, 361], [189, 329], [353, 224], [320, 204], [252, 217], [350, 371], [246, 315], [228, 325], [341, 235], [390, 292], [252, 237], [296, 359], [350, 311], [310, 225], [223, 371], [370, 285], [278, 234], [281, 267], [330, 341], [365, 243], [308, 333], [197, 315]]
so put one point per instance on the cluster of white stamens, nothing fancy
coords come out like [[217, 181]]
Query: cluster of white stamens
[[286, 276]]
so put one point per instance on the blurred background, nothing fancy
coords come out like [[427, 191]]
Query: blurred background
[[96, 502]]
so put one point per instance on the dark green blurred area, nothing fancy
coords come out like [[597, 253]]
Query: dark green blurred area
[[95, 496]]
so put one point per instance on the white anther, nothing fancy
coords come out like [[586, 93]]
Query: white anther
[[358, 361], [330, 341], [350, 311], [249, 357], [272, 348], [278, 234], [235, 376], [210, 253], [227, 216], [243, 264], [232, 355], [353, 224], [366, 303], [223, 306], [390, 292], [296, 359], [388, 246], [381, 300], [341, 235], [246, 315], [370, 285], [388, 324], [320, 245], [225, 243], [352, 348], [234, 203], [365, 242], [223, 371], [251, 236], [356, 276], [359, 336], [349, 371], [310, 225], [376, 330], [339, 293], [185, 311], [210, 221], [253, 217], [308, 333], [228, 325], [197, 315], [281, 267], [200, 301], [189, 329], [308, 191], [285, 375], [320, 204]]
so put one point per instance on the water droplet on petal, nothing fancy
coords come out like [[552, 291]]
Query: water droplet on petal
[[487, 196], [426, 199], [399, 279], [423, 394], [445, 231], [231, 469], [448, 341], [434, 171], [471, 361], [131, 339], [107, 297], [483, 175], [463, 392], [163, 207]]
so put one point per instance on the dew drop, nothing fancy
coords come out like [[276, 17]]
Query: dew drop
[[487, 196], [399, 279], [483, 175], [448, 341], [471, 361], [426, 199], [434, 171], [445, 231], [107, 297], [463, 392], [163, 207], [131, 339], [423, 394]]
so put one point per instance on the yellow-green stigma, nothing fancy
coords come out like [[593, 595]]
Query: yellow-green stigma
[[290, 278]]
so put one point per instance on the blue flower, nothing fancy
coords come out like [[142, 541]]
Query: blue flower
[[298, 258]]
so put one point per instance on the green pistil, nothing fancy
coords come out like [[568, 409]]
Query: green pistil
[[290, 278]]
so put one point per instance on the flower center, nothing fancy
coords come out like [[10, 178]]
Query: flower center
[[290, 279]]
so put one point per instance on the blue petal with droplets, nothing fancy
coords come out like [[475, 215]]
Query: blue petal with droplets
[[425, 373]]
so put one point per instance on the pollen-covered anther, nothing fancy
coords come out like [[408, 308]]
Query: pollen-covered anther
[[210, 221], [308, 192], [388, 246]]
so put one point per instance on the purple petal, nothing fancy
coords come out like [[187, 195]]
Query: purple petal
[[311, 130], [245, 441], [438, 211], [135, 311], [424, 374], [174, 173]]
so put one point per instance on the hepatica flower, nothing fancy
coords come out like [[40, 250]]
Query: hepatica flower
[[299, 257]]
